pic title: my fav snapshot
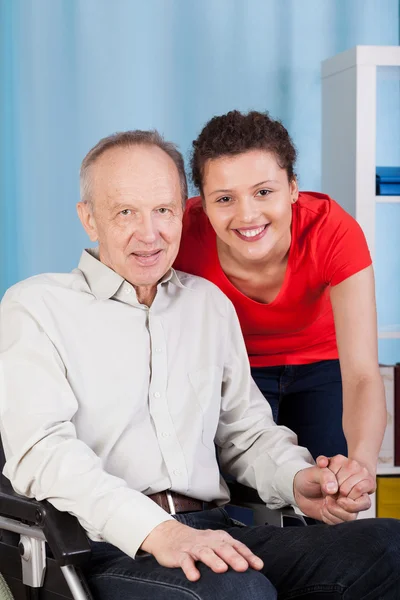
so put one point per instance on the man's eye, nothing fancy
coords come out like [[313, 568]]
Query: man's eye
[[125, 212], [163, 211], [263, 192], [224, 199]]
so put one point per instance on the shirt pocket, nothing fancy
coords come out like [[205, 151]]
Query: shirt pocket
[[206, 383]]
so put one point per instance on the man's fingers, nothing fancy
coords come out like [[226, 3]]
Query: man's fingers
[[231, 557], [328, 482], [357, 505], [209, 557], [337, 513], [322, 461], [188, 566], [254, 561], [330, 519], [228, 553], [216, 549], [327, 517]]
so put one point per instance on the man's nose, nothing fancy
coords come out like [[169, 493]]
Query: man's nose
[[146, 230]]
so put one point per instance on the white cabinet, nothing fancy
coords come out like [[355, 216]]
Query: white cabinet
[[349, 130], [349, 139]]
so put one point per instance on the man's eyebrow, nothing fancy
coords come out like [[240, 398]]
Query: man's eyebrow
[[225, 191], [122, 205], [169, 202], [129, 204]]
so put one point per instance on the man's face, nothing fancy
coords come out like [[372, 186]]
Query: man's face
[[137, 212]]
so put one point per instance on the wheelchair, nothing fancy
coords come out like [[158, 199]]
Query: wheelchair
[[42, 550]]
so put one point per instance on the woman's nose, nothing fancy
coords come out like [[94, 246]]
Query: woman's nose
[[248, 211]]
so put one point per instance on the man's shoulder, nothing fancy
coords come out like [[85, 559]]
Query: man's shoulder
[[202, 286], [39, 286], [198, 283]]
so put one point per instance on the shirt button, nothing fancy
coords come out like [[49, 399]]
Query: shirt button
[[128, 290], [158, 350], [176, 472], [156, 394], [165, 434]]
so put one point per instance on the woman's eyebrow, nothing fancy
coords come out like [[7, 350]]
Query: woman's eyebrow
[[224, 191]]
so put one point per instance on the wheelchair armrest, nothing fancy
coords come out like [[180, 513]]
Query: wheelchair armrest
[[247, 497], [243, 494], [64, 535]]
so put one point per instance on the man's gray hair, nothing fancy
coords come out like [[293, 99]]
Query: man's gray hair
[[126, 139]]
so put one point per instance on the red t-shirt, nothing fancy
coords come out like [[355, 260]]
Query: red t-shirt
[[327, 246]]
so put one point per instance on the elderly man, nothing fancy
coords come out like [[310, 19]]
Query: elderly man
[[120, 379]]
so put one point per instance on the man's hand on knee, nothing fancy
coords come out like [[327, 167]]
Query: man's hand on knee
[[176, 545]]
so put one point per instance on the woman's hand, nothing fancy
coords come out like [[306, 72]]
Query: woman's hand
[[334, 491], [355, 484]]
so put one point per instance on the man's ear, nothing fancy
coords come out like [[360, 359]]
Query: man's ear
[[85, 213]]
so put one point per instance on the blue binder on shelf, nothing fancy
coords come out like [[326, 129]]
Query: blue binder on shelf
[[388, 181]]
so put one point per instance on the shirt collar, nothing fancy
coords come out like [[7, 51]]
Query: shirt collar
[[172, 276], [104, 282]]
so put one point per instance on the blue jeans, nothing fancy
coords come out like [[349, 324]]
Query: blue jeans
[[308, 400], [351, 561]]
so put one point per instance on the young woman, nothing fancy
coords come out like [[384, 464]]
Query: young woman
[[297, 268]]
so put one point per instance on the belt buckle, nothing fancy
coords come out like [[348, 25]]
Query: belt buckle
[[171, 503]]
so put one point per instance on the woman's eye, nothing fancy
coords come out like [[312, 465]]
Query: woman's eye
[[224, 199], [125, 212], [263, 192]]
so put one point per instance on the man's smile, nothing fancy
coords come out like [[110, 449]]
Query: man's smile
[[146, 259]]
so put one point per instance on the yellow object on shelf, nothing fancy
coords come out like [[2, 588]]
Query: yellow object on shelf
[[388, 497]]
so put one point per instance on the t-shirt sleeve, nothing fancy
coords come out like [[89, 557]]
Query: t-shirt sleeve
[[342, 245]]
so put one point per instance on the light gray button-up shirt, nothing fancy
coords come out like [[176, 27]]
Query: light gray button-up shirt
[[104, 400]]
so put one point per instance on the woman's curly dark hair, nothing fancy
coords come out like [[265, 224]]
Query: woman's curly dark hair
[[236, 132]]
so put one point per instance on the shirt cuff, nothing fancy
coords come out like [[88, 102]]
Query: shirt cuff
[[284, 478], [132, 522]]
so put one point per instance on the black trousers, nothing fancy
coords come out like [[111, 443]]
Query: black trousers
[[350, 561], [308, 400]]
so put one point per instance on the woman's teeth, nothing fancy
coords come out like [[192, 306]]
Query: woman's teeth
[[251, 232]]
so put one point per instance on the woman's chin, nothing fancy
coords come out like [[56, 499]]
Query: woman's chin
[[254, 252]]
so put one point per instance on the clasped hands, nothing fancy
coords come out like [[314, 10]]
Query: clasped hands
[[335, 490]]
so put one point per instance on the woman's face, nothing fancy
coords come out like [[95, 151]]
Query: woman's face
[[248, 200]]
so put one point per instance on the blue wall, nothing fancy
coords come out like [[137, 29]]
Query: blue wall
[[72, 71]]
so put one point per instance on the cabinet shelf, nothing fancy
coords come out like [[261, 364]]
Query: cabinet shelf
[[384, 470], [387, 199], [389, 335]]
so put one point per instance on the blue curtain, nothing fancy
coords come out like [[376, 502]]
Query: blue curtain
[[72, 71]]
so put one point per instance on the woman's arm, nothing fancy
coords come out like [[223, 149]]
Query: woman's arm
[[364, 406]]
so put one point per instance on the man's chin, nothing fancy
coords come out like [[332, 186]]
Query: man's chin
[[147, 276]]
